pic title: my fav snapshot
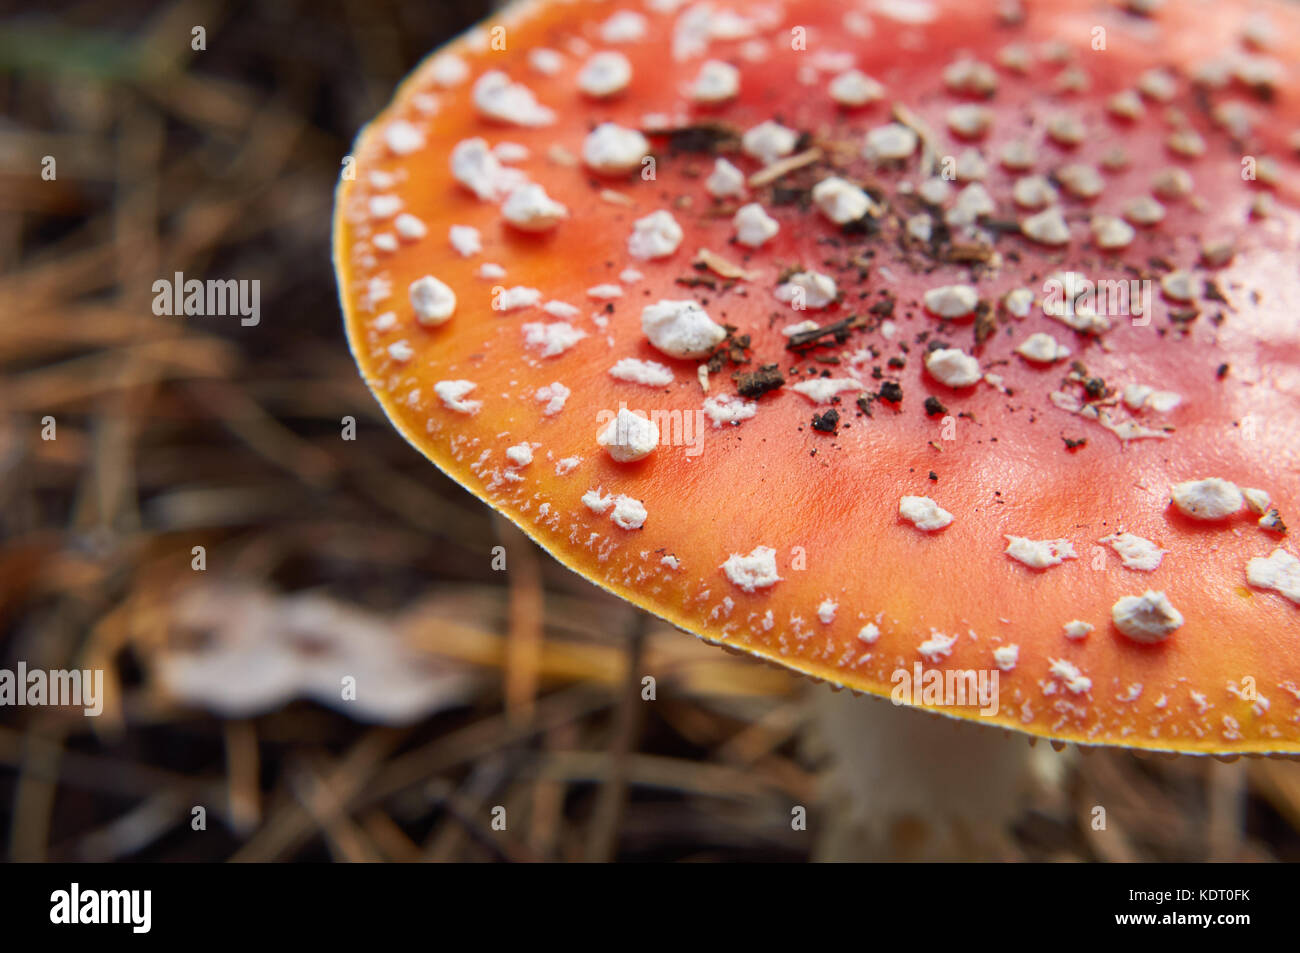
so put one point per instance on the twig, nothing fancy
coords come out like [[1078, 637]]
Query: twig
[[603, 838]]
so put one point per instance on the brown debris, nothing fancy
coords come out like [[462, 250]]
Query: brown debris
[[759, 382]]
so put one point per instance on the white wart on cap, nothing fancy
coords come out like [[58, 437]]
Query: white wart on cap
[[433, 301], [612, 149], [953, 367], [923, 513], [840, 200], [1148, 618], [681, 328], [529, 209], [629, 436], [951, 301], [1209, 499], [657, 235]]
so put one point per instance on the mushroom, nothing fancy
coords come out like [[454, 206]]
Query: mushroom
[[763, 500], [255, 651]]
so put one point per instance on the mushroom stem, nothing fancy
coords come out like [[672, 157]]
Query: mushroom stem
[[906, 785]]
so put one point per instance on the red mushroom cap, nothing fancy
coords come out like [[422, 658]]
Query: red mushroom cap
[[996, 309]]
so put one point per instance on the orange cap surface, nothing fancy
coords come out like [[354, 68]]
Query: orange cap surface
[[1160, 155]]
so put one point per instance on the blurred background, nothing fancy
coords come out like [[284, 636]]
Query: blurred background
[[177, 508]]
